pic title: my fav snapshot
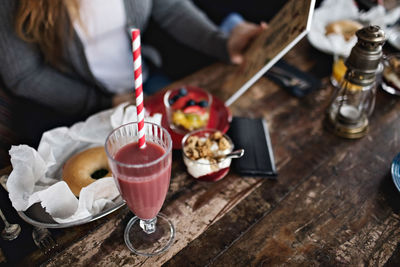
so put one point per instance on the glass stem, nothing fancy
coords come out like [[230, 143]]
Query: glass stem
[[148, 226]]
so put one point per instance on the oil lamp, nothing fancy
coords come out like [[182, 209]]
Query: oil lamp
[[354, 100]]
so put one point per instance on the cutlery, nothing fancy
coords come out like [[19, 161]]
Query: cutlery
[[234, 154], [293, 79], [41, 236], [287, 78], [43, 239], [10, 231]]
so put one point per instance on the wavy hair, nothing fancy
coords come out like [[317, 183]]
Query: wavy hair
[[45, 23]]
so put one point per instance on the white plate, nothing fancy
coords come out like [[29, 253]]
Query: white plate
[[333, 44], [394, 37], [328, 12], [37, 216]]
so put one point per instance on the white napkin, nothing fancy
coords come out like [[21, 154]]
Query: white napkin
[[37, 174], [333, 10]]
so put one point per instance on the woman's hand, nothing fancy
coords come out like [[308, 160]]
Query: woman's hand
[[240, 38], [122, 98]]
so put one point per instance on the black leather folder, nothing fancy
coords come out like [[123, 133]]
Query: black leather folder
[[252, 135]]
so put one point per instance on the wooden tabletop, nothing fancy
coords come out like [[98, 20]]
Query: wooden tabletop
[[333, 202]]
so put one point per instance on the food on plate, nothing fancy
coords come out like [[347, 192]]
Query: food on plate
[[84, 168], [347, 28], [391, 72], [202, 151], [188, 109]]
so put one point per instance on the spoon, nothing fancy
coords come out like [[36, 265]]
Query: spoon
[[10, 231], [234, 154]]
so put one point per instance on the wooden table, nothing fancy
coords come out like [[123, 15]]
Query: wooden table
[[334, 202]]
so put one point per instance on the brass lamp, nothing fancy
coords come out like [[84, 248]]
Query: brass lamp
[[353, 102]]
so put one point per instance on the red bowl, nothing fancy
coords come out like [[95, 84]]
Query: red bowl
[[220, 115]]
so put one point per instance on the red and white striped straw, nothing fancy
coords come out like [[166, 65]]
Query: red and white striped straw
[[137, 66]]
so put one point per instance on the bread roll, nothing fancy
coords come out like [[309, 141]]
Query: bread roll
[[346, 28]]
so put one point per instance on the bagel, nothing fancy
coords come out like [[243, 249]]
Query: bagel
[[346, 28], [84, 168]]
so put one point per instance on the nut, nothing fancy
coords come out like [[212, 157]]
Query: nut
[[223, 144], [196, 147]]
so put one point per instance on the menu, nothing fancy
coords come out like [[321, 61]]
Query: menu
[[286, 28]]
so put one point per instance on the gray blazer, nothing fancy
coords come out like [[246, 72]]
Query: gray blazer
[[76, 91]]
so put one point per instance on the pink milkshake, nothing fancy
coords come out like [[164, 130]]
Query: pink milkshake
[[142, 176], [144, 189]]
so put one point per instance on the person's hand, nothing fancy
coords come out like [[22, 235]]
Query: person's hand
[[240, 38], [122, 98]]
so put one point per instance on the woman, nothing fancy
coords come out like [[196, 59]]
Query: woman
[[67, 59]]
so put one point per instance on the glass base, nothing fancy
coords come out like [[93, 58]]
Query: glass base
[[157, 242]]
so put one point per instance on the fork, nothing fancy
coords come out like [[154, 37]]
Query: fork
[[43, 239], [41, 236], [288, 79]]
